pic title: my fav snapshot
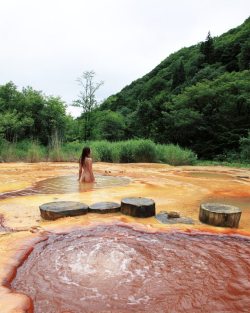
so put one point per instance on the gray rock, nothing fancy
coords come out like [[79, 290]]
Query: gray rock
[[163, 218], [173, 214]]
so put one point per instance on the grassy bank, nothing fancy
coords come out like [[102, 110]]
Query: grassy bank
[[130, 151]]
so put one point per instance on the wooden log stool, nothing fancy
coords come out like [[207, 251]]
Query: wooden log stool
[[138, 207], [217, 214], [55, 210], [105, 207]]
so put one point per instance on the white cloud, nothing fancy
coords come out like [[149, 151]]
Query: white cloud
[[48, 44]]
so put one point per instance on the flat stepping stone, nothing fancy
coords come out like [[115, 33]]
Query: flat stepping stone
[[164, 218], [138, 207], [218, 214], [55, 210], [105, 207]]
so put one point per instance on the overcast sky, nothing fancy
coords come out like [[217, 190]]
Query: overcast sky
[[47, 44]]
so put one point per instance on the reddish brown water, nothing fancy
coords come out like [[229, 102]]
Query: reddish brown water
[[115, 268]]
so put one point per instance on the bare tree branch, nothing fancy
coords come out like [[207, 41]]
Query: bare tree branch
[[86, 99]]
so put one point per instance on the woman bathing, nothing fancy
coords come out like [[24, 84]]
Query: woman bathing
[[85, 167]]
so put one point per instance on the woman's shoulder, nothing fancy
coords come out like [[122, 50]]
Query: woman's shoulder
[[88, 159]]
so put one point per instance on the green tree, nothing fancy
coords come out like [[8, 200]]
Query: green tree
[[207, 48], [216, 114], [108, 125], [33, 103], [87, 99], [13, 125], [9, 97], [244, 56], [245, 148], [53, 116], [30, 114], [179, 75]]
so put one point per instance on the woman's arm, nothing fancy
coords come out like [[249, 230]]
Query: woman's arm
[[80, 171]]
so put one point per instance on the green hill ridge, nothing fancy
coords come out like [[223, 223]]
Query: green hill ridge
[[198, 97]]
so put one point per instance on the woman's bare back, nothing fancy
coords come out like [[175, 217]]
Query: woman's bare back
[[87, 175]]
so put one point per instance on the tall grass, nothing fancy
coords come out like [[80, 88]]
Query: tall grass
[[8, 152], [55, 149], [26, 150], [175, 155], [130, 151], [35, 152]]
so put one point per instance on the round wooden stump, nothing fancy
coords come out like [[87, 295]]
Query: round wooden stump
[[138, 207], [105, 207], [55, 210], [217, 214]]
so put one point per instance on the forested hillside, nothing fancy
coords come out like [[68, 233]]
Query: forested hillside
[[198, 97]]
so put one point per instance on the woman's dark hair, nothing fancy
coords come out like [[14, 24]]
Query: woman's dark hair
[[85, 153]]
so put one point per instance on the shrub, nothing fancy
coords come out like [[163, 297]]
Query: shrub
[[145, 151], [175, 155], [72, 150], [245, 148], [35, 153], [101, 151], [7, 153]]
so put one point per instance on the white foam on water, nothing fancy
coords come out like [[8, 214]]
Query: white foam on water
[[133, 300], [106, 259], [117, 272], [91, 294]]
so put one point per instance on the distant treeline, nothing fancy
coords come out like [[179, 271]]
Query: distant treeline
[[197, 98]]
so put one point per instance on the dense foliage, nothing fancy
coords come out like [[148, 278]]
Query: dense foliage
[[198, 97], [30, 114]]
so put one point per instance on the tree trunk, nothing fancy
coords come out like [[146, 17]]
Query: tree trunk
[[138, 207], [217, 214], [105, 207], [55, 210]]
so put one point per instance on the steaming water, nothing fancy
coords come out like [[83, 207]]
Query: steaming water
[[115, 268]]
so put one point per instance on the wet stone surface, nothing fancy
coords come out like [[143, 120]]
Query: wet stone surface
[[55, 210], [164, 218], [105, 207], [173, 214]]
